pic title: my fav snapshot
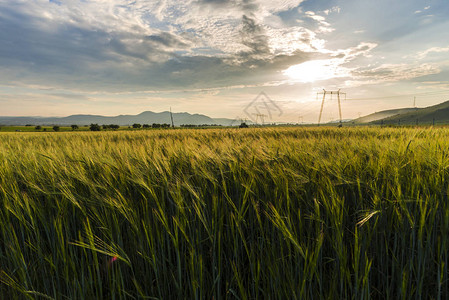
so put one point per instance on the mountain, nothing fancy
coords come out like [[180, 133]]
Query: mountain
[[147, 117], [383, 114], [437, 113]]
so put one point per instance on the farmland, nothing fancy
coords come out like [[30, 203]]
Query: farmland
[[259, 213]]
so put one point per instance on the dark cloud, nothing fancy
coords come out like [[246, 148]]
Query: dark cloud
[[253, 36], [220, 2], [38, 43], [25, 43], [167, 39], [74, 55], [210, 72], [247, 6], [129, 49]]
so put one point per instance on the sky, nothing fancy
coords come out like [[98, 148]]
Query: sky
[[215, 57]]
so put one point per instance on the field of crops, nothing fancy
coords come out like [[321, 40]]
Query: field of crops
[[274, 213]]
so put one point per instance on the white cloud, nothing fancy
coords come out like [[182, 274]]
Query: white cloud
[[423, 54], [319, 19], [335, 9], [325, 69], [420, 11], [362, 49], [286, 41], [324, 27]]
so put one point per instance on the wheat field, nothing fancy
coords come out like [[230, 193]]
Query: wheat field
[[259, 213]]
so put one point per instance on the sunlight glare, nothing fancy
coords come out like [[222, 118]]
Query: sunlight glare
[[316, 70]]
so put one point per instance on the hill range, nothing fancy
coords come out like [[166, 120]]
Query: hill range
[[433, 114], [147, 117], [428, 115]]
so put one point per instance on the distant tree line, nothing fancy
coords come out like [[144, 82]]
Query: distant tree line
[[96, 127], [111, 126], [196, 126], [156, 125]]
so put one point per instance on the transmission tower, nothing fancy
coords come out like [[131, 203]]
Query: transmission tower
[[324, 93], [171, 117], [262, 118]]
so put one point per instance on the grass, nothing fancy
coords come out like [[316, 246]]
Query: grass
[[265, 213]]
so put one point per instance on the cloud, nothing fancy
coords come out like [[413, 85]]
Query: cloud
[[423, 54], [391, 73], [253, 36], [331, 67], [319, 19], [351, 53], [119, 46], [247, 6], [436, 85], [335, 9], [146, 44], [324, 27]]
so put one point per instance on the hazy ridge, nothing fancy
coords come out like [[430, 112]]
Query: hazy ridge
[[147, 117]]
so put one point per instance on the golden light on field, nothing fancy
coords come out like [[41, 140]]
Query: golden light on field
[[316, 70]]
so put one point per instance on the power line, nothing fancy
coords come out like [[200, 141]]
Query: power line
[[308, 109], [403, 95], [324, 93], [262, 117]]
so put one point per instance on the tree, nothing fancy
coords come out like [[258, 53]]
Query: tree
[[94, 127], [56, 128], [135, 125], [38, 127], [74, 127], [146, 126], [243, 125]]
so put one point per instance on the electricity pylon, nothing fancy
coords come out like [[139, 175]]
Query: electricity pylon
[[262, 117], [324, 93], [171, 117]]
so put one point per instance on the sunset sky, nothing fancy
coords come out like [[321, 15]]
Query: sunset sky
[[214, 57]]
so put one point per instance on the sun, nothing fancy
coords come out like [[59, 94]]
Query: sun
[[316, 70]]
